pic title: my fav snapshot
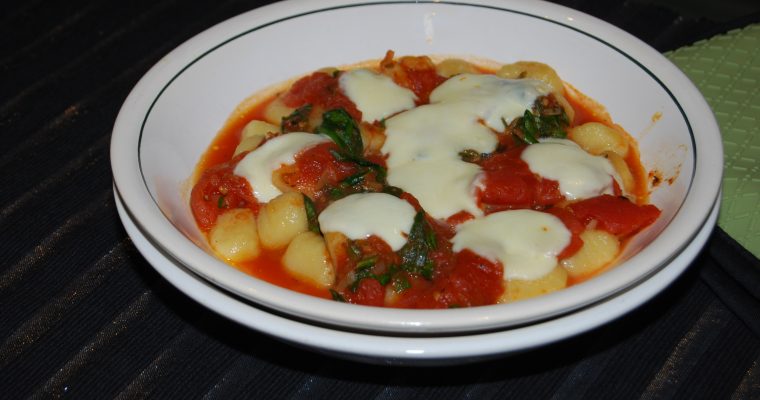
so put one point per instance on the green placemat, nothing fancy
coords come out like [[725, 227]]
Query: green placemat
[[726, 69]]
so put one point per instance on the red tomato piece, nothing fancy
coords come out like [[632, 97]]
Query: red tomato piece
[[217, 190], [510, 184], [315, 169], [459, 218], [416, 73], [574, 225], [421, 78], [323, 90], [614, 214], [370, 293], [474, 281]]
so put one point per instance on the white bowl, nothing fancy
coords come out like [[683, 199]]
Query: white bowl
[[398, 350], [172, 114]]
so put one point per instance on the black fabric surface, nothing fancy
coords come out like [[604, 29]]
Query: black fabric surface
[[83, 315]]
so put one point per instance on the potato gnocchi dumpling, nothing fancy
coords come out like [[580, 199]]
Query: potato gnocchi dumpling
[[337, 244], [597, 138], [351, 184], [253, 134], [306, 257], [623, 171], [532, 70], [235, 236], [454, 66], [276, 110], [541, 72], [599, 249], [518, 289], [281, 220]]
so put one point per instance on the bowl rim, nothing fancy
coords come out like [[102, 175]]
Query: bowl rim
[[703, 188]]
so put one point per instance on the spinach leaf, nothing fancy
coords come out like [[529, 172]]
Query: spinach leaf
[[544, 123], [355, 179], [530, 127], [297, 121], [362, 271], [400, 284], [547, 119], [415, 255], [380, 171], [311, 214], [337, 296], [338, 125]]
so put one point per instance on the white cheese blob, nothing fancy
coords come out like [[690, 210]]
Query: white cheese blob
[[490, 97], [525, 242], [375, 95], [580, 174], [362, 215], [423, 144], [258, 165], [445, 186]]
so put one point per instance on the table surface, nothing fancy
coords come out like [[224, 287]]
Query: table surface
[[85, 316]]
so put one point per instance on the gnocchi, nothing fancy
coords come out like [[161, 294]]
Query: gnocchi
[[454, 66], [621, 168], [599, 249], [252, 135], [597, 138], [235, 236], [276, 110], [281, 220], [336, 243], [533, 70], [518, 289], [306, 257]]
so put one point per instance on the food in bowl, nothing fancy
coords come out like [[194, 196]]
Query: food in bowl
[[417, 182]]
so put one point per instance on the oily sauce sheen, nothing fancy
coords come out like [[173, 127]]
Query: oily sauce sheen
[[460, 278]]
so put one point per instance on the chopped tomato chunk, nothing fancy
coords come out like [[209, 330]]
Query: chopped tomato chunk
[[323, 90], [315, 170], [474, 281], [417, 74], [574, 225], [510, 184], [614, 214], [217, 190], [369, 292]]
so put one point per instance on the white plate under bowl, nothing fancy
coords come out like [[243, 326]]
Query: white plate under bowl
[[382, 349], [176, 109]]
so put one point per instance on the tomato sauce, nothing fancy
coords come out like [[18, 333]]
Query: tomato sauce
[[268, 267]]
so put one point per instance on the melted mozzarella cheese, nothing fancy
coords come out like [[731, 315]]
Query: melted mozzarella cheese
[[375, 95], [362, 215], [423, 144], [445, 186], [258, 165], [525, 242], [580, 174], [490, 98]]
